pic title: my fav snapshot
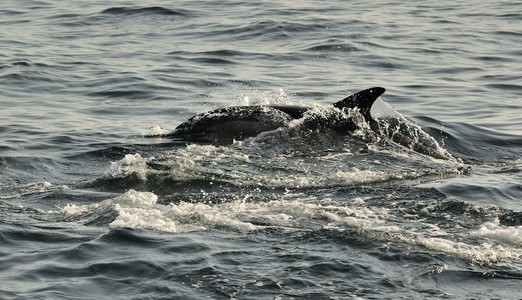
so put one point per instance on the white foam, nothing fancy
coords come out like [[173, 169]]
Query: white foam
[[73, 209], [137, 198], [131, 197], [502, 234], [143, 218], [300, 212], [138, 210], [484, 253], [156, 130], [251, 164], [130, 164]]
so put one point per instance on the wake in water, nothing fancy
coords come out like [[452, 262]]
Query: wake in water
[[301, 178]]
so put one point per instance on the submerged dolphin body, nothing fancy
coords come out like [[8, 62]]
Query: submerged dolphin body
[[238, 122]]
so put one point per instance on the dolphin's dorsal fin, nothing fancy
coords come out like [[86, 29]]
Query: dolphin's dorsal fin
[[363, 100]]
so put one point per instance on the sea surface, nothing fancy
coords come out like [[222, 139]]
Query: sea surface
[[96, 202]]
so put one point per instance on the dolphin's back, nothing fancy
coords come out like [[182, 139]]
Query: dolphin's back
[[237, 122], [295, 112]]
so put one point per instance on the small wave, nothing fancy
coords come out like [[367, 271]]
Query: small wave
[[224, 54], [141, 94], [153, 10], [483, 187], [267, 30], [213, 61], [475, 144], [333, 48], [123, 13]]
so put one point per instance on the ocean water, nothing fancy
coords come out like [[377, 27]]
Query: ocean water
[[96, 203]]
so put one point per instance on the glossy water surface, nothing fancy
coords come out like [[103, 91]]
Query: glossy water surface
[[96, 204]]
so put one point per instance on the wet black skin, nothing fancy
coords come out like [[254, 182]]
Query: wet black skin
[[239, 122]]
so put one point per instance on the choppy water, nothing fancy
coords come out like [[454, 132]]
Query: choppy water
[[92, 206]]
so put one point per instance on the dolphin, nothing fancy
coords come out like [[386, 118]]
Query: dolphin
[[227, 124], [240, 122]]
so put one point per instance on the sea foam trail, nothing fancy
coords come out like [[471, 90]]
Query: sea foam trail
[[140, 210]]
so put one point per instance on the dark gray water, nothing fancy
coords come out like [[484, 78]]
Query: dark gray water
[[95, 204]]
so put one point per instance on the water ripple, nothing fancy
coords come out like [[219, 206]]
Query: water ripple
[[150, 10], [89, 89]]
